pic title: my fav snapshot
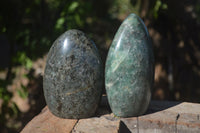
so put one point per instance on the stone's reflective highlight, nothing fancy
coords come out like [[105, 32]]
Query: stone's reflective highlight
[[73, 76], [129, 71]]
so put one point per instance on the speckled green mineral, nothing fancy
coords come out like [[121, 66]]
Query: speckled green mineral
[[129, 72], [73, 76]]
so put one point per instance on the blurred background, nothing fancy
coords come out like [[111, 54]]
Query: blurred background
[[28, 29]]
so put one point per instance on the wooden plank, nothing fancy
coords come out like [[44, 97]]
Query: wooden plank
[[46, 122], [167, 117], [162, 116], [97, 125]]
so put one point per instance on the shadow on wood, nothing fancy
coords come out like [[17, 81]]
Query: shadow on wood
[[123, 128]]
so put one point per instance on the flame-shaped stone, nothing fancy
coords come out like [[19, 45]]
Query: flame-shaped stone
[[129, 72]]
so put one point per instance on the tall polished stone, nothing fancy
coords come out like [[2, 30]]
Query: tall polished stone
[[73, 76], [129, 71]]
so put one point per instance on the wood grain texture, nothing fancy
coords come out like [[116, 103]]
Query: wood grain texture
[[161, 117], [46, 122]]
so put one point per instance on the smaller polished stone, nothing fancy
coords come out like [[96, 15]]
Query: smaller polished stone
[[129, 71], [73, 76]]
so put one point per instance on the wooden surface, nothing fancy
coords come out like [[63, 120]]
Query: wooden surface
[[161, 117], [46, 122]]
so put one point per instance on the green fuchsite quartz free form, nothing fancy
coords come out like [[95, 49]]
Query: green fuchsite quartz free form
[[129, 71]]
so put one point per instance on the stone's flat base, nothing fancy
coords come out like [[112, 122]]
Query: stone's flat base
[[161, 117]]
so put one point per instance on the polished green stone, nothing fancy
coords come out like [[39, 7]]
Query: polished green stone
[[73, 77], [129, 71]]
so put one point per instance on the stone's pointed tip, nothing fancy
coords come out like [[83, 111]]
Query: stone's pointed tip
[[74, 30], [135, 17], [132, 14]]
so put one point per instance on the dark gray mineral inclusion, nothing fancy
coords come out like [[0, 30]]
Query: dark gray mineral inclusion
[[73, 76]]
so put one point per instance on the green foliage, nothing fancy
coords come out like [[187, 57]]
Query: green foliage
[[73, 15], [73, 6], [120, 7], [32, 32], [9, 108], [59, 23], [159, 5], [5, 95], [197, 10], [22, 58], [23, 92]]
